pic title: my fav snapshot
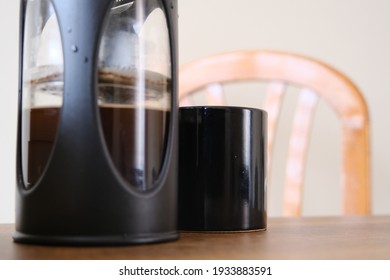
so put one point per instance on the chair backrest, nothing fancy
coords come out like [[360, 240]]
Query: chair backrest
[[316, 80]]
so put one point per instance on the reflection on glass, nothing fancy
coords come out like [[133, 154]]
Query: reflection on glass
[[42, 87], [135, 89]]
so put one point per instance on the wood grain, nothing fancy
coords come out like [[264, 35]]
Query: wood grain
[[359, 237]]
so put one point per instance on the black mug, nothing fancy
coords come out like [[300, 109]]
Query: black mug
[[222, 169]]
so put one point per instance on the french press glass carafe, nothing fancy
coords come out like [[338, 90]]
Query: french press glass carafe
[[97, 135]]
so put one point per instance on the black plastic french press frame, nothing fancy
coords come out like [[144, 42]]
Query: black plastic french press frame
[[80, 199]]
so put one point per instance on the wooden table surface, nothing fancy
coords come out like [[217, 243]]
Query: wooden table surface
[[286, 238]]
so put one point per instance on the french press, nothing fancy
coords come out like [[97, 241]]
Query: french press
[[97, 130]]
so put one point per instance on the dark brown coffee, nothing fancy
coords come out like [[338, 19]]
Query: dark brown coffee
[[135, 138], [135, 135], [43, 129]]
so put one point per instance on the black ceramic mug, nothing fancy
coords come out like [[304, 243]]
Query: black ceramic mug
[[222, 169]]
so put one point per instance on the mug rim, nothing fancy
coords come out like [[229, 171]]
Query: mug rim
[[222, 107]]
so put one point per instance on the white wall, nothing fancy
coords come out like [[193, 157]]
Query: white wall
[[9, 32], [351, 35]]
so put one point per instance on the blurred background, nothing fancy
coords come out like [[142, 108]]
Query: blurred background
[[350, 35]]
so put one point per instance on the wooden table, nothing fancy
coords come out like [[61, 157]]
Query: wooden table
[[286, 238]]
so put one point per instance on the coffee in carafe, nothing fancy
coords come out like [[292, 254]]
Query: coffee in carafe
[[97, 133]]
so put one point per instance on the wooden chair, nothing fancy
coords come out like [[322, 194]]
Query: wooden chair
[[316, 80]]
